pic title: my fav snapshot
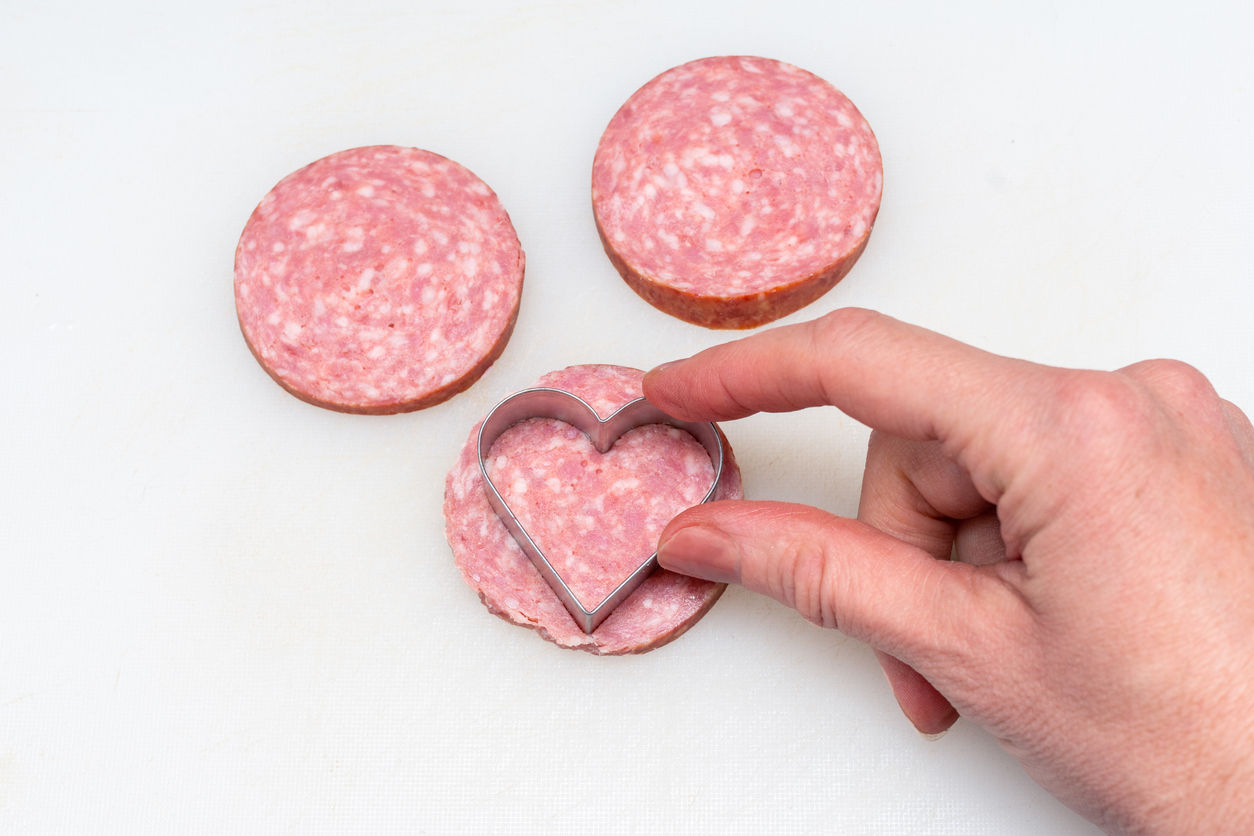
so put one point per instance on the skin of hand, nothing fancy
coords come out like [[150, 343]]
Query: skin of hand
[[1099, 616]]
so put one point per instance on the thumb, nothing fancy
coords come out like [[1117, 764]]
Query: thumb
[[837, 572]]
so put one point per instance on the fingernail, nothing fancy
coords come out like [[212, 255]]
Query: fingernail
[[702, 551], [664, 366], [936, 736]]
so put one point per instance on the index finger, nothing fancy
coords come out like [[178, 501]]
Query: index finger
[[894, 377]]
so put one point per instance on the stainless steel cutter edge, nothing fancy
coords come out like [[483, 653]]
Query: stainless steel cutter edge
[[563, 406]]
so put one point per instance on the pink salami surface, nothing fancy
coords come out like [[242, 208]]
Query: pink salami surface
[[596, 516], [378, 280], [731, 191]]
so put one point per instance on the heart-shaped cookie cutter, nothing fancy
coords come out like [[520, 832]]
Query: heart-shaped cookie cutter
[[603, 432]]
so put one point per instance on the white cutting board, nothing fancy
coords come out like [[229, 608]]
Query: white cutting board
[[223, 610]]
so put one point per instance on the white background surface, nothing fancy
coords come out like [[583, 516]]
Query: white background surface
[[223, 610]]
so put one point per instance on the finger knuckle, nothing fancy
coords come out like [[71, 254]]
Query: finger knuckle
[[802, 581], [845, 324], [1174, 378], [1094, 406]]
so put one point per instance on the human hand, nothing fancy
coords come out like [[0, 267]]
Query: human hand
[[1099, 618]]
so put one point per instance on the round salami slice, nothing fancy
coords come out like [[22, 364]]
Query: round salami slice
[[732, 191], [378, 280], [596, 516]]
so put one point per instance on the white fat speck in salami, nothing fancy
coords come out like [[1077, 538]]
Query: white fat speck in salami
[[596, 517], [732, 191], [378, 280]]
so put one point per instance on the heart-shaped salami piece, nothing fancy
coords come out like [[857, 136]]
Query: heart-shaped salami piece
[[557, 496]]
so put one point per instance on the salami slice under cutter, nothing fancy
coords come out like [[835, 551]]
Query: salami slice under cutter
[[603, 432]]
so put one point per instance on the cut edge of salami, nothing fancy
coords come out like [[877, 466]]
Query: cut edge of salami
[[732, 313], [661, 640], [430, 399]]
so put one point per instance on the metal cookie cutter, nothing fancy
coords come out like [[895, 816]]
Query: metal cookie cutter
[[571, 409]]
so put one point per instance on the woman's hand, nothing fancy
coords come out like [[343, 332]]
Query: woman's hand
[[1099, 616]]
